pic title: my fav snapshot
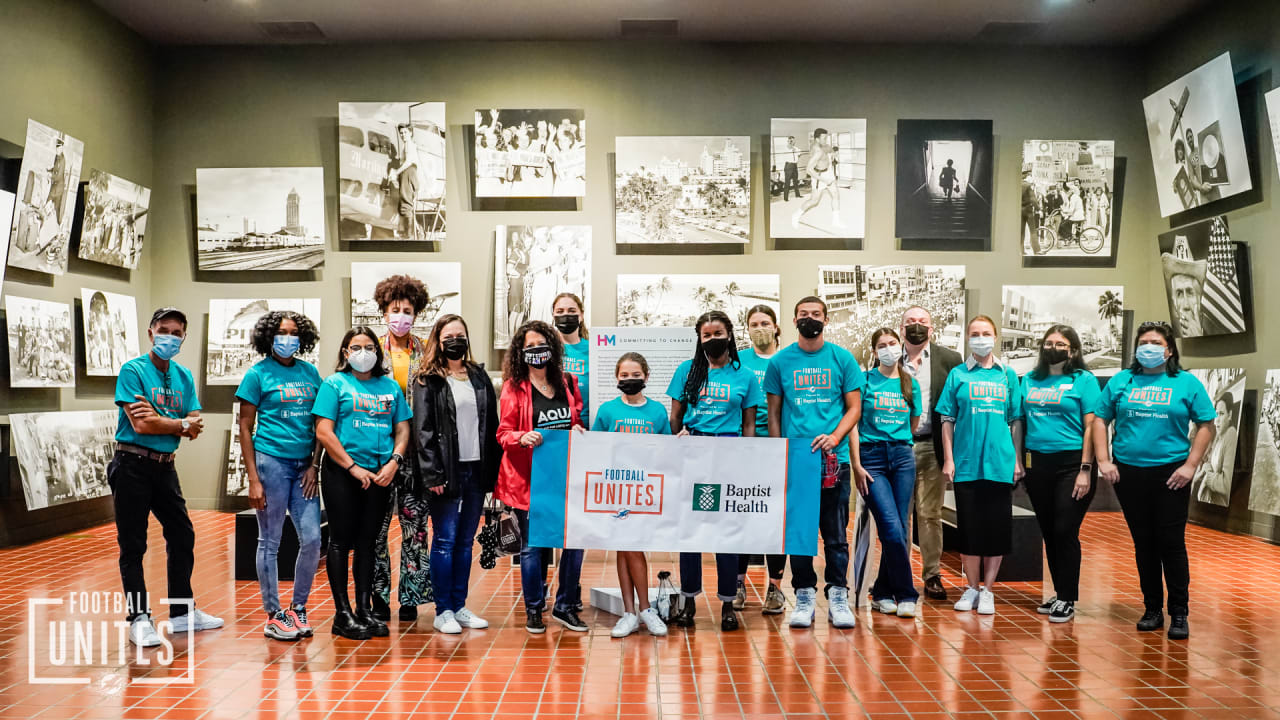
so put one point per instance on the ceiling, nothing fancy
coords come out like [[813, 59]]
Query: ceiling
[[1057, 22]]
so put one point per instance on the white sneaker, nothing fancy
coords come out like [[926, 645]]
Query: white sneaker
[[906, 609], [446, 623], [986, 603], [470, 620], [802, 616], [626, 625], [838, 611], [143, 633], [196, 619], [886, 606], [653, 622], [966, 601]]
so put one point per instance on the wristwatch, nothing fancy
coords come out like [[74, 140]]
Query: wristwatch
[[186, 424], [398, 458], [1086, 467]]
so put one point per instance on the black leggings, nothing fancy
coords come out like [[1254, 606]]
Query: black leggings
[[355, 517], [1157, 518], [1051, 477]]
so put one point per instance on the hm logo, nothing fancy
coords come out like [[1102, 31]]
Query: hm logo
[[606, 340], [706, 497]]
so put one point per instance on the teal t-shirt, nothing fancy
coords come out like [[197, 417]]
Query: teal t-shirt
[[886, 415], [982, 401], [175, 399], [364, 415], [617, 416], [812, 387], [283, 395], [758, 365], [1152, 414], [577, 362], [1054, 410], [728, 391]]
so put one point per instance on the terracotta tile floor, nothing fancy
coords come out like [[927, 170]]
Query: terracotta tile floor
[[942, 665]]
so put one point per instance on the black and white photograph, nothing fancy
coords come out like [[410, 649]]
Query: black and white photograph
[[944, 179], [1197, 141], [1273, 113], [237, 476], [817, 177], [1201, 280], [682, 190], [532, 265], [1212, 481], [48, 183], [863, 298], [531, 153], [260, 218], [678, 300], [110, 331], [1068, 191], [1264, 493], [7, 200], [40, 343], [1095, 312], [115, 219], [63, 456], [231, 324], [391, 171], [442, 279]]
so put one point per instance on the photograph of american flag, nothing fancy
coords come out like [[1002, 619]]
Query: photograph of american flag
[[1221, 285]]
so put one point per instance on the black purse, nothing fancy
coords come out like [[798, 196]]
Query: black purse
[[500, 536]]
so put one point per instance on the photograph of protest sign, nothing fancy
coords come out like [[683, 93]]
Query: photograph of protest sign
[[1068, 191], [530, 153]]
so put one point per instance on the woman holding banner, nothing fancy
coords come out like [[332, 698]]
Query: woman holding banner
[[537, 395], [713, 394]]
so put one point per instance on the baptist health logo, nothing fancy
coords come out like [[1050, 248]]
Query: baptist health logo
[[80, 637], [706, 497]]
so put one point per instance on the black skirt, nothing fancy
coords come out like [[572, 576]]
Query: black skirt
[[984, 517]]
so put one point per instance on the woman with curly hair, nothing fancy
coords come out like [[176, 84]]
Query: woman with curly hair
[[281, 457], [401, 299]]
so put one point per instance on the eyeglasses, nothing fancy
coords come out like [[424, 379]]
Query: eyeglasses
[[1058, 346], [355, 348]]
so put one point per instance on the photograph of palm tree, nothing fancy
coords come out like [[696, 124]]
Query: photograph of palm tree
[[682, 190], [1096, 312], [678, 300]]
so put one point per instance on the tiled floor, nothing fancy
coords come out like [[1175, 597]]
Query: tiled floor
[[943, 664]]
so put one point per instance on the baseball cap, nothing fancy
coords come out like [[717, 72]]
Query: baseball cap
[[165, 312]]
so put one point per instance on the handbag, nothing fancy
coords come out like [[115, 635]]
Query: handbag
[[500, 535]]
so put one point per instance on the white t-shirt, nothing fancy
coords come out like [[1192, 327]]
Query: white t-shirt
[[467, 418]]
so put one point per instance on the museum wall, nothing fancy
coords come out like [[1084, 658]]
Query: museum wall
[[71, 66], [249, 106]]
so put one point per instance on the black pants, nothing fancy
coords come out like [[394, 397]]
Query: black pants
[[790, 180], [1157, 518], [140, 487], [833, 526], [1050, 480], [355, 517], [776, 564]]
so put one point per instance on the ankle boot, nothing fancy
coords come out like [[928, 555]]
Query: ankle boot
[[364, 613], [381, 610], [345, 623], [684, 617]]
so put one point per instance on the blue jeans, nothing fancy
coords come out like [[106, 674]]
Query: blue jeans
[[454, 522], [533, 571], [893, 468], [282, 485], [726, 575]]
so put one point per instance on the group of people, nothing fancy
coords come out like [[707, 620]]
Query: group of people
[[43, 352], [1077, 207], [525, 160], [415, 429], [111, 234]]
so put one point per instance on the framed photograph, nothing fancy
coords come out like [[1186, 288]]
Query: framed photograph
[[1068, 192], [444, 287], [40, 343], [678, 300], [63, 456], [391, 171], [817, 178], [682, 190], [1095, 312], [7, 200], [231, 324], [110, 331], [531, 153], [237, 475], [1197, 141], [1264, 492], [1273, 113], [115, 218], [532, 265], [260, 218], [48, 183], [1212, 481], [1201, 280], [944, 180]]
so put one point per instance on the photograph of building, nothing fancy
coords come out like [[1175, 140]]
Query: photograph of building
[[863, 298], [260, 218], [677, 190], [1095, 312]]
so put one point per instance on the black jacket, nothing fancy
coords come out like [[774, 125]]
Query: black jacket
[[941, 361], [435, 432]]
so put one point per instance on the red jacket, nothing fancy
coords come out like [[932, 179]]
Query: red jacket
[[515, 418]]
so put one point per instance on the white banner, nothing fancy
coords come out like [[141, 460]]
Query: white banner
[[663, 348]]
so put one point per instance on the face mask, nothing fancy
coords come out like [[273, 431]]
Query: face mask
[[537, 356], [286, 345], [715, 347], [1053, 356], [1150, 355], [916, 334], [455, 348], [761, 338], [982, 346], [809, 328], [166, 347], [400, 323], [630, 386], [362, 360], [889, 355], [567, 324]]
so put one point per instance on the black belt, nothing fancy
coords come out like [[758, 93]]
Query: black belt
[[885, 443], [148, 453]]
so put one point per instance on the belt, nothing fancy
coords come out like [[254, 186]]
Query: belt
[[148, 453], [886, 443]]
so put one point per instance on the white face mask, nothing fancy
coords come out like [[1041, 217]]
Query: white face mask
[[982, 345], [889, 355], [362, 360]]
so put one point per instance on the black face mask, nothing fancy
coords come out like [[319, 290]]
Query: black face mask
[[1053, 356], [537, 356], [916, 334], [715, 347], [630, 386], [568, 324], [809, 328], [455, 348]]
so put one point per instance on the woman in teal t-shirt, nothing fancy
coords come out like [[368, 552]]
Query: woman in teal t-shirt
[[981, 435], [1152, 404], [570, 320], [362, 420], [1058, 398], [885, 469]]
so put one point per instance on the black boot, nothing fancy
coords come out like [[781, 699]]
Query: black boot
[[408, 613], [728, 617], [381, 610], [345, 622], [684, 616], [1178, 627], [364, 613], [1151, 620]]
